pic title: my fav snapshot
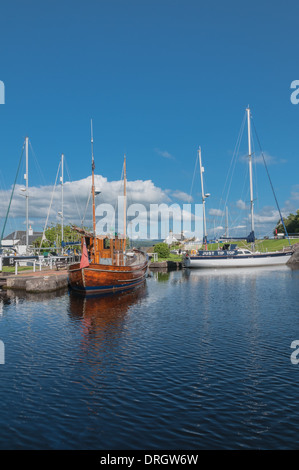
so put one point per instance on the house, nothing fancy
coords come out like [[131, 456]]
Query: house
[[17, 240], [174, 238]]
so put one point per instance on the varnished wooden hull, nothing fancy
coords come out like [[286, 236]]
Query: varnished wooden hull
[[101, 278]]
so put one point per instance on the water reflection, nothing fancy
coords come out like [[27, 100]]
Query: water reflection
[[161, 276], [233, 273], [102, 323], [104, 313], [14, 296], [199, 360], [174, 277]]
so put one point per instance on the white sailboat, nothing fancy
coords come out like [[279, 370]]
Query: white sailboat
[[230, 255]]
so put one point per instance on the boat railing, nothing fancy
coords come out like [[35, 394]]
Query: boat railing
[[120, 258], [127, 259], [136, 258]]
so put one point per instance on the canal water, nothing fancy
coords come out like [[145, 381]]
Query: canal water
[[191, 360]]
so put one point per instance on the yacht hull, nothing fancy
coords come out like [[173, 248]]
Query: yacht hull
[[237, 261]]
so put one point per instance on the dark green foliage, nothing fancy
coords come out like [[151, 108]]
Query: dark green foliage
[[291, 222], [53, 235], [162, 249]]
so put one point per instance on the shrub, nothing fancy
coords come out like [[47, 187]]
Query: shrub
[[162, 249]]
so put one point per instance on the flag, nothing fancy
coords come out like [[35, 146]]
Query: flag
[[84, 263]]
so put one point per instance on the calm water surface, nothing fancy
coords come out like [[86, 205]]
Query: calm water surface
[[192, 360]]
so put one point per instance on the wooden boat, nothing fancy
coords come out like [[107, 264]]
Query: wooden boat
[[106, 265]]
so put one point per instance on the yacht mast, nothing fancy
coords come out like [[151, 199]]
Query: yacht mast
[[204, 196], [92, 189], [61, 179], [27, 196], [226, 222], [125, 203], [250, 168]]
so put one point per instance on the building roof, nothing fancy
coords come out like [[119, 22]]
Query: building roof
[[174, 237], [178, 236], [21, 236], [15, 235]]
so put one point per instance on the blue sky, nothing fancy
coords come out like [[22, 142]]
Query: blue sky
[[159, 79]]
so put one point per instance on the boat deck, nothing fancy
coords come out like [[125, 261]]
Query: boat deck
[[135, 259]]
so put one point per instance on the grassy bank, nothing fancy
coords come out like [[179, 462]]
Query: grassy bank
[[260, 245], [11, 269], [171, 257]]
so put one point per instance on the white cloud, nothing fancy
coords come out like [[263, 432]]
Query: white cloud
[[182, 196], [76, 195], [216, 212], [271, 217], [237, 227], [241, 205], [295, 193], [164, 153], [269, 159]]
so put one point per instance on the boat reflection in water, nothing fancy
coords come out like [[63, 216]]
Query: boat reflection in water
[[15, 296], [104, 314], [232, 274]]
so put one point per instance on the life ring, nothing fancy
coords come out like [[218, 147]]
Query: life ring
[[193, 252]]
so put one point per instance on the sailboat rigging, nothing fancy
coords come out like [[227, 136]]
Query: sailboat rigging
[[203, 197], [231, 255], [26, 195]]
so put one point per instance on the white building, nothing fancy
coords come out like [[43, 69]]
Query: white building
[[173, 238], [17, 240]]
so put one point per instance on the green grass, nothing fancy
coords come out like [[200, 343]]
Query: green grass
[[11, 269], [275, 245], [260, 245], [170, 257]]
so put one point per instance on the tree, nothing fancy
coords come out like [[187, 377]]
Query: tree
[[162, 249], [291, 223], [53, 236]]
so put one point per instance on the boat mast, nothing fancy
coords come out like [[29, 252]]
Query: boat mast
[[204, 196], [27, 196], [250, 168], [92, 187], [125, 203], [61, 179], [226, 222]]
